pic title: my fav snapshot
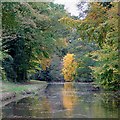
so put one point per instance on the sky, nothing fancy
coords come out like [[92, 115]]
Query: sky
[[70, 6]]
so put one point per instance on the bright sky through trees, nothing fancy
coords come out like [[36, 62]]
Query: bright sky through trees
[[70, 6]]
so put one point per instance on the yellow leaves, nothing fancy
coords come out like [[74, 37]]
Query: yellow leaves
[[69, 67], [69, 59], [69, 22], [45, 62]]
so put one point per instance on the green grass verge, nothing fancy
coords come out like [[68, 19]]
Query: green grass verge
[[12, 87]]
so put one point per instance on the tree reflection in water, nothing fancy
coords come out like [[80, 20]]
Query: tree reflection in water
[[110, 100], [41, 108], [69, 98]]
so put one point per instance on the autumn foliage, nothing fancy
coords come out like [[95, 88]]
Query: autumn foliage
[[69, 67]]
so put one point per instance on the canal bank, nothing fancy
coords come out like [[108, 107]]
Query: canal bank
[[12, 92]]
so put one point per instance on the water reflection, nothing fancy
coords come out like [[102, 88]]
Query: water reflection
[[111, 99], [66, 100], [28, 107], [69, 98], [40, 108]]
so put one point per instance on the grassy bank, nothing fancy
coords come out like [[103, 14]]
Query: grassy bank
[[11, 91], [12, 87]]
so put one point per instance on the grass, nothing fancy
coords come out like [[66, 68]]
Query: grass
[[12, 87]]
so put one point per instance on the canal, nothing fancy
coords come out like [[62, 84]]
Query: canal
[[65, 100]]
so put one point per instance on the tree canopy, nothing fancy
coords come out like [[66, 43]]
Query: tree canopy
[[38, 37]]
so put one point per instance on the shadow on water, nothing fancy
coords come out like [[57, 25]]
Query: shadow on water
[[67, 100]]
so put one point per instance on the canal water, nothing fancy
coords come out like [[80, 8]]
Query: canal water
[[65, 100]]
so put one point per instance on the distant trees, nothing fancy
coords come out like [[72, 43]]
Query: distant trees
[[82, 50]]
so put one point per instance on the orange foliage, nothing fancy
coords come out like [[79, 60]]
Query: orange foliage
[[69, 67]]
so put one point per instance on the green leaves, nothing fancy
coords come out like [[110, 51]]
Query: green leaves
[[46, 54], [30, 32], [100, 26], [106, 70]]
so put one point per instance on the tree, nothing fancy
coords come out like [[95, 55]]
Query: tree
[[101, 26], [30, 32], [69, 67]]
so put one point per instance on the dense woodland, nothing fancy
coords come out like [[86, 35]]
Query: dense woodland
[[43, 41]]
